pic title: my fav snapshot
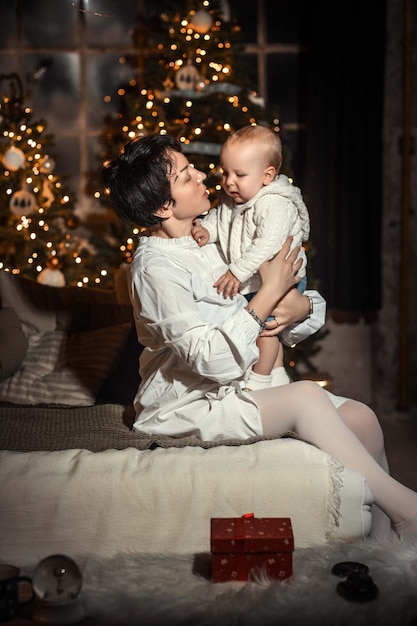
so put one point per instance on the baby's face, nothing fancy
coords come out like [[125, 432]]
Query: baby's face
[[244, 170]]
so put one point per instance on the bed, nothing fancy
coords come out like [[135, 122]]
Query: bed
[[77, 480]]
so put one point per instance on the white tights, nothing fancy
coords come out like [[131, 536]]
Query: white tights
[[307, 410]]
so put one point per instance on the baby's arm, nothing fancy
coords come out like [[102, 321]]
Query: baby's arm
[[227, 284], [200, 234]]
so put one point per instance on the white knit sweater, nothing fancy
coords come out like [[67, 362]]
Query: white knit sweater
[[253, 232]]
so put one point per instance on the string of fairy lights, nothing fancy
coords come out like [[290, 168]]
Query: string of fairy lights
[[39, 205], [196, 64]]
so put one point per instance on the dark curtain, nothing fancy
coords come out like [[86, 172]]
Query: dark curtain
[[343, 178]]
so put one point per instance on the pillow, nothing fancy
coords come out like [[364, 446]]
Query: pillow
[[65, 368], [34, 318], [13, 343]]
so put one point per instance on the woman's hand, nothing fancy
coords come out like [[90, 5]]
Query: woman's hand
[[280, 274], [292, 308]]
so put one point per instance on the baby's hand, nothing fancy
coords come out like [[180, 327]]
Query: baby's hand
[[199, 233], [227, 284]]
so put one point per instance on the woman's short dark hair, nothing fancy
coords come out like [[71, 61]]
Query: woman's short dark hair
[[138, 179]]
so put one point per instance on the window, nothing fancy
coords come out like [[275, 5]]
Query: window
[[69, 55], [326, 84]]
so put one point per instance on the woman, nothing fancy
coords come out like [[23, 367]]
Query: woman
[[200, 346]]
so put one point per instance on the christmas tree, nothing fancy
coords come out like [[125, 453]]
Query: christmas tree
[[37, 219], [188, 80]]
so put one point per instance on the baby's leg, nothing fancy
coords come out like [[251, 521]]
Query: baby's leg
[[270, 352], [270, 349], [279, 374]]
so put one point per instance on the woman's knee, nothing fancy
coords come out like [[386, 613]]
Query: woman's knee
[[309, 389], [362, 421]]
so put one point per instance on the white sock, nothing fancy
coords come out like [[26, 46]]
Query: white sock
[[279, 377], [258, 381]]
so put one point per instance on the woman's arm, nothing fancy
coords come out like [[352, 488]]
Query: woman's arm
[[294, 307], [217, 340], [278, 276]]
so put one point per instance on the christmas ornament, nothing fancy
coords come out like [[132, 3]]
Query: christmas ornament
[[52, 277], [201, 21], [47, 197], [47, 165], [187, 77], [57, 583], [168, 84], [13, 159], [72, 222], [23, 202]]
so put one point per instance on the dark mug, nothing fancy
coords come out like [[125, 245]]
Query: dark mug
[[10, 590]]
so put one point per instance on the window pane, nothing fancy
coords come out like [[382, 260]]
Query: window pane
[[49, 23], [283, 85], [105, 74], [8, 64], [112, 23], [246, 69], [245, 12], [8, 27], [67, 159], [282, 19], [55, 94]]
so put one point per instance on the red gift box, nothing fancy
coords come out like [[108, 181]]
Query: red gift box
[[244, 546]]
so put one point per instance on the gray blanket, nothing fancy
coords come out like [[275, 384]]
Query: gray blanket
[[95, 428]]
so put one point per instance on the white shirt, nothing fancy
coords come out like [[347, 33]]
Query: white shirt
[[199, 346]]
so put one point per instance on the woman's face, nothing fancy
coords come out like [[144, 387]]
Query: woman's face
[[188, 190]]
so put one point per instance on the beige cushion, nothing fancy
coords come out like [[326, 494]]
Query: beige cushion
[[65, 368], [34, 317]]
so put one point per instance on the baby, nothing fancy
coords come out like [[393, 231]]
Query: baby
[[259, 211]]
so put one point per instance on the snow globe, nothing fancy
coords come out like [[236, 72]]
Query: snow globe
[[57, 583]]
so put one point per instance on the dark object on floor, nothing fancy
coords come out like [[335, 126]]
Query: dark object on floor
[[358, 586], [348, 567]]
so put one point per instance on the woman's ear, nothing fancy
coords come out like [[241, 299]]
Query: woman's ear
[[269, 174], [164, 211]]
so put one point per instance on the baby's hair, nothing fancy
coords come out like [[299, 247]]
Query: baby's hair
[[266, 136]]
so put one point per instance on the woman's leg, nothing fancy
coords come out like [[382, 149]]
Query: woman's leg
[[306, 409], [363, 422]]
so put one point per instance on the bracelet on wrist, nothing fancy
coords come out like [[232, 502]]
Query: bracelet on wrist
[[310, 299], [257, 319]]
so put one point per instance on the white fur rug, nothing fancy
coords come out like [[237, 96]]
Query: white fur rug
[[150, 590]]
